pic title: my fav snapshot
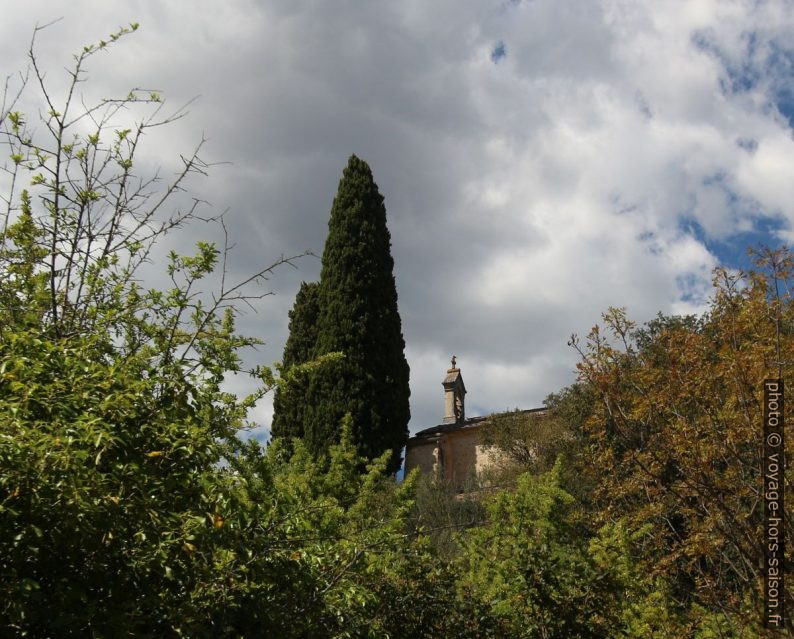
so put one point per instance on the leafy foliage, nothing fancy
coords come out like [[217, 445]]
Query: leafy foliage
[[442, 513], [531, 564], [302, 544], [113, 417], [103, 489], [529, 441]]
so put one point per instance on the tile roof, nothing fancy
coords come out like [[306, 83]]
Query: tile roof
[[429, 434]]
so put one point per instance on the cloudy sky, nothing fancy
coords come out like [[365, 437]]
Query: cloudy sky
[[541, 160]]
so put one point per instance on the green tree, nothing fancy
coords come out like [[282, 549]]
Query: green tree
[[441, 514], [113, 423], [647, 608], [532, 565], [358, 317], [572, 407], [306, 545], [107, 481], [289, 400]]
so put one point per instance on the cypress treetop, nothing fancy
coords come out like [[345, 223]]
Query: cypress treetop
[[358, 316], [288, 404]]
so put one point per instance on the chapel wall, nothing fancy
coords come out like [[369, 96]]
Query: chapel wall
[[460, 455], [422, 456]]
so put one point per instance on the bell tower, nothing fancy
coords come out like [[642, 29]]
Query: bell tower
[[454, 396]]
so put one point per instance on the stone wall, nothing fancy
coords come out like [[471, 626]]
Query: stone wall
[[459, 455], [455, 456], [423, 456]]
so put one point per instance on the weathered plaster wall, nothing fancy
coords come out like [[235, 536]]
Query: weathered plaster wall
[[459, 452], [422, 456], [455, 456], [487, 456], [453, 451]]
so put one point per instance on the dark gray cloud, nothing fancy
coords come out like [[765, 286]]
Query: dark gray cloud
[[524, 197]]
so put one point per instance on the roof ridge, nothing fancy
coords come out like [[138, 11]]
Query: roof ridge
[[446, 428]]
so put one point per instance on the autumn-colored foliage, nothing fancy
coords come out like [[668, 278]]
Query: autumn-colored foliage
[[676, 437]]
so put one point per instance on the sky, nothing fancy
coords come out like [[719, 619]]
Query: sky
[[540, 160]]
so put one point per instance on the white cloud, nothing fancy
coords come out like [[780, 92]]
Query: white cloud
[[586, 169]]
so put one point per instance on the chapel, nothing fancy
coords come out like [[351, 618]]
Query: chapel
[[453, 451]]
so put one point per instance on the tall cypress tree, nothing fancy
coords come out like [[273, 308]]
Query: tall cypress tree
[[288, 404], [358, 316]]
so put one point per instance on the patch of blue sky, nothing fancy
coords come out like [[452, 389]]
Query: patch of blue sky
[[762, 65], [780, 64], [259, 433], [784, 101], [689, 286], [741, 75], [499, 52], [732, 252]]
